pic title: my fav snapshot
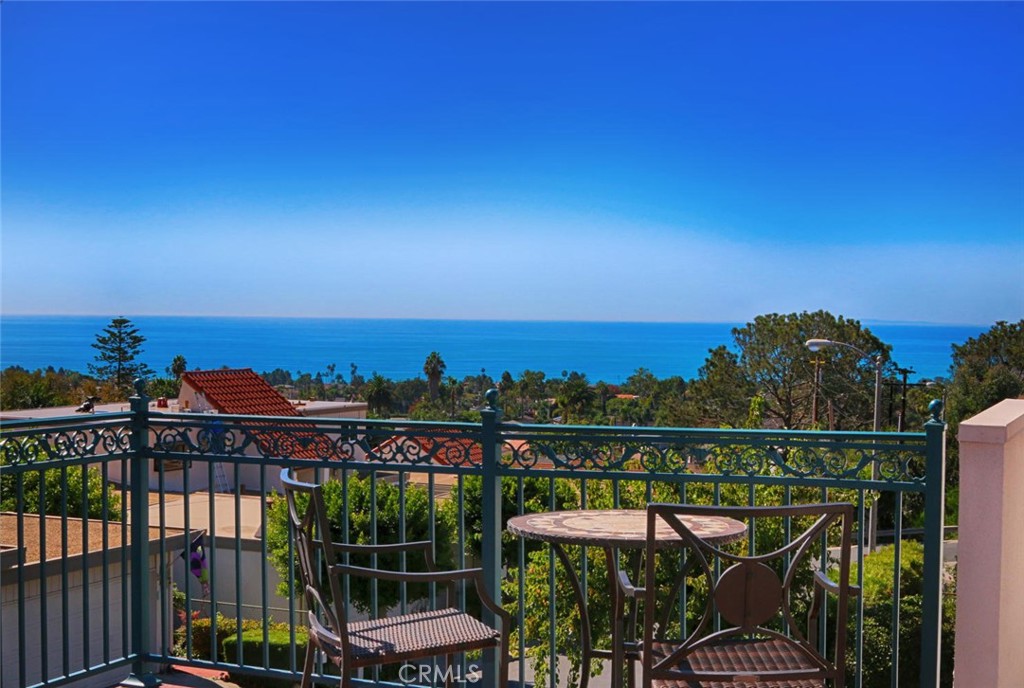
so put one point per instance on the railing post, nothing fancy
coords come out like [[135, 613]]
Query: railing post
[[141, 589], [934, 525], [491, 526]]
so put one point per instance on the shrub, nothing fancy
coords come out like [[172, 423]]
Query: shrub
[[202, 647], [878, 607], [280, 648]]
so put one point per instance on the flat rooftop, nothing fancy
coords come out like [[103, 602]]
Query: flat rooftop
[[57, 547]]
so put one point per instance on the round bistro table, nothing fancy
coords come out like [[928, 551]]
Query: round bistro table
[[612, 530]]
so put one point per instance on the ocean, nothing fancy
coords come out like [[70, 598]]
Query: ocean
[[398, 348]]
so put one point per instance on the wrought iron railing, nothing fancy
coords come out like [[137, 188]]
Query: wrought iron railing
[[72, 587]]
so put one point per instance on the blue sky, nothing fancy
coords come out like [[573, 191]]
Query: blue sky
[[581, 161]]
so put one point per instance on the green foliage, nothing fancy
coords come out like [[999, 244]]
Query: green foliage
[[628, 411], [280, 651], [879, 597], [61, 487], [720, 394], [425, 409], [531, 390], [574, 398], [378, 395], [21, 389], [775, 360], [985, 371], [178, 367], [278, 377], [202, 640], [406, 393], [536, 499], [163, 387], [118, 347], [642, 383], [364, 495]]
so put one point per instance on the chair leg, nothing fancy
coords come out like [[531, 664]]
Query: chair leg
[[307, 665], [503, 663]]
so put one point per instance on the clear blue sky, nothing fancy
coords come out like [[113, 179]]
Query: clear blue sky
[[584, 161]]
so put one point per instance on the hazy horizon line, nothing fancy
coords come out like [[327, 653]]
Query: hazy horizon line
[[867, 321]]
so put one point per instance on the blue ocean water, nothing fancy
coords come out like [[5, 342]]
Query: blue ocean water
[[397, 348]]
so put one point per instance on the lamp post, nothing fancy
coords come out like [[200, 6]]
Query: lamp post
[[816, 345]]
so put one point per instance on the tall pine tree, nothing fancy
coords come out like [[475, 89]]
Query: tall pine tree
[[119, 345]]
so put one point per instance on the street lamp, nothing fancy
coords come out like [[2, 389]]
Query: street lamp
[[816, 345]]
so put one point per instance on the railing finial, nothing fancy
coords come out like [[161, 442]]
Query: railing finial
[[935, 408], [491, 397], [139, 384]]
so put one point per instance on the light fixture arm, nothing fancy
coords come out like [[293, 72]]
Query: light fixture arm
[[816, 345]]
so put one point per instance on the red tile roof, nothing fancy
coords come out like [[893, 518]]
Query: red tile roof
[[450, 451], [240, 392]]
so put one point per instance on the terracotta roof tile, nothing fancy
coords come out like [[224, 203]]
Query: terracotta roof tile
[[449, 451], [240, 392]]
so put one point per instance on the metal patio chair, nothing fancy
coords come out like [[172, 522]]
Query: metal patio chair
[[389, 640], [750, 599]]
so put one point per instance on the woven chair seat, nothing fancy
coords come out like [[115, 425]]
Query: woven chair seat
[[440, 632], [750, 657]]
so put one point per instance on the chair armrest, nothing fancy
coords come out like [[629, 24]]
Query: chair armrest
[[381, 549], [826, 583], [407, 576], [627, 588], [425, 546]]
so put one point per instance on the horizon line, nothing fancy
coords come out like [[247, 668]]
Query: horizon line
[[866, 321]]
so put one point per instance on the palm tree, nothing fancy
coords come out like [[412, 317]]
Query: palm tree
[[378, 394], [178, 366], [434, 368], [574, 397]]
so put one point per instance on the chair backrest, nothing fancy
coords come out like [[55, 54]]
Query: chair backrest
[[314, 548], [749, 596]]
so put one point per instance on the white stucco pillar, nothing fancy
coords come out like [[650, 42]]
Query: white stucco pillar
[[990, 555]]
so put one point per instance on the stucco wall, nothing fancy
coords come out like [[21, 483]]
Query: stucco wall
[[990, 568]]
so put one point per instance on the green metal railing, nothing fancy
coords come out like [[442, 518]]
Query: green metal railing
[[214, 478]]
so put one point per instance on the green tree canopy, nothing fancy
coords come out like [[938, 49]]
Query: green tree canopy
[[720, 396], [771, 359], [985, 370], [21, 389], [775, 359], [62, 488], [574, 398]]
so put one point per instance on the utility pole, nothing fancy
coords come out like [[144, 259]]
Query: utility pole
[[817, 362]]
